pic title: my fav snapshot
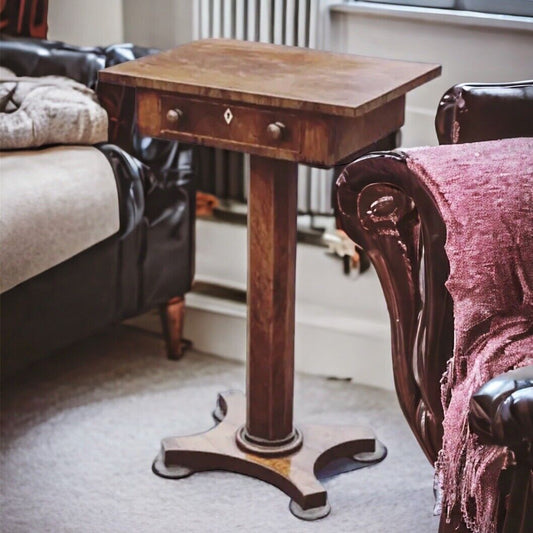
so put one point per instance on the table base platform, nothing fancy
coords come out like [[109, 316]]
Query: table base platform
[[294, 472]]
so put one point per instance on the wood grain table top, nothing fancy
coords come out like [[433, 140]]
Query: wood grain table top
[[276, 76]]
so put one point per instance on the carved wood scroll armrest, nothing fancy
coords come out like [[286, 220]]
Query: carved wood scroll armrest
[[390, 214]]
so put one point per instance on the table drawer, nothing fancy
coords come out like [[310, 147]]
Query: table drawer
[[216, 123]]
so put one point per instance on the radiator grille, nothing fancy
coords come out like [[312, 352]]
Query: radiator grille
[[292, 22]]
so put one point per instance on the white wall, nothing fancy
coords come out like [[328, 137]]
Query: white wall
[[486, 52], [86, 22], [342, 325], [160, 24]]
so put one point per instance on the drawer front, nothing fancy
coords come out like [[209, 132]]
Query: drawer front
[[243, 128]]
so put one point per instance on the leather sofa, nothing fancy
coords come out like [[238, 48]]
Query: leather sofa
[[148, 262], [387, 210]]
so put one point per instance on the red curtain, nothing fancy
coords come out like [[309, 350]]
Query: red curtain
[[27, 18]]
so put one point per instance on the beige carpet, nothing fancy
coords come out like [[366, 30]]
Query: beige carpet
[[80, 431]]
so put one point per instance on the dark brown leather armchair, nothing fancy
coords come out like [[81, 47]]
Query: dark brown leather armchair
[[404, 238]]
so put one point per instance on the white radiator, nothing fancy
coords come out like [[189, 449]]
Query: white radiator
[[291, 22]]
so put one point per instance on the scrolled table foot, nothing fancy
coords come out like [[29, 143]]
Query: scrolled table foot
[[293, 471], [379, 453], [170, 472], [314, 513]]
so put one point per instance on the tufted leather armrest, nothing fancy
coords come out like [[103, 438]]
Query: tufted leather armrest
[[501, 411], [471, 112], [38, 57]]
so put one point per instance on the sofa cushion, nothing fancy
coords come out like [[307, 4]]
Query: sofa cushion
[[55, 203]]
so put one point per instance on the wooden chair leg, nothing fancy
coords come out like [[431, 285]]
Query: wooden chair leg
[[172, 316]]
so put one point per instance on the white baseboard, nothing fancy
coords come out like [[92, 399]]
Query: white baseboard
[[342, 325], [327, 343]]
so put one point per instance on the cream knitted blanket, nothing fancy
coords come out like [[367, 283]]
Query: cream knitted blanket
[[48, 110]]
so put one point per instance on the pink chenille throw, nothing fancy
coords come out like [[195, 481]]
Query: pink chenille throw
[[485, 195]]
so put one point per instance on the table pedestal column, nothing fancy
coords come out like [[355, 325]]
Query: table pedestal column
[[256, 436], [272, 211]]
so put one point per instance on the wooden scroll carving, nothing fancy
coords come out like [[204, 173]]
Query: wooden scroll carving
[[387, 212]]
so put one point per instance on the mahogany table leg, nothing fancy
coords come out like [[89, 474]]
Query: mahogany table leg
[[272, 211]]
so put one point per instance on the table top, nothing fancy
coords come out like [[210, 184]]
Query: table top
[[282, 77]]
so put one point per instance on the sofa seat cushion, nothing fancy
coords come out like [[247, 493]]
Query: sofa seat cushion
[[55, 203]]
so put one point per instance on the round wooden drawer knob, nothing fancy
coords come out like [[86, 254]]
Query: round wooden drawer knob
[[275, 130], [173, 115]]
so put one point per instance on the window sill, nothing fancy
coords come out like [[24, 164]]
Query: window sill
[[434, 15]]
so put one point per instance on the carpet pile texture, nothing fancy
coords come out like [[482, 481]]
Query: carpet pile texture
[[80, 430]]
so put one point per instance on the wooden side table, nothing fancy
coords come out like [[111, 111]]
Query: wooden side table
[[284, 106]]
